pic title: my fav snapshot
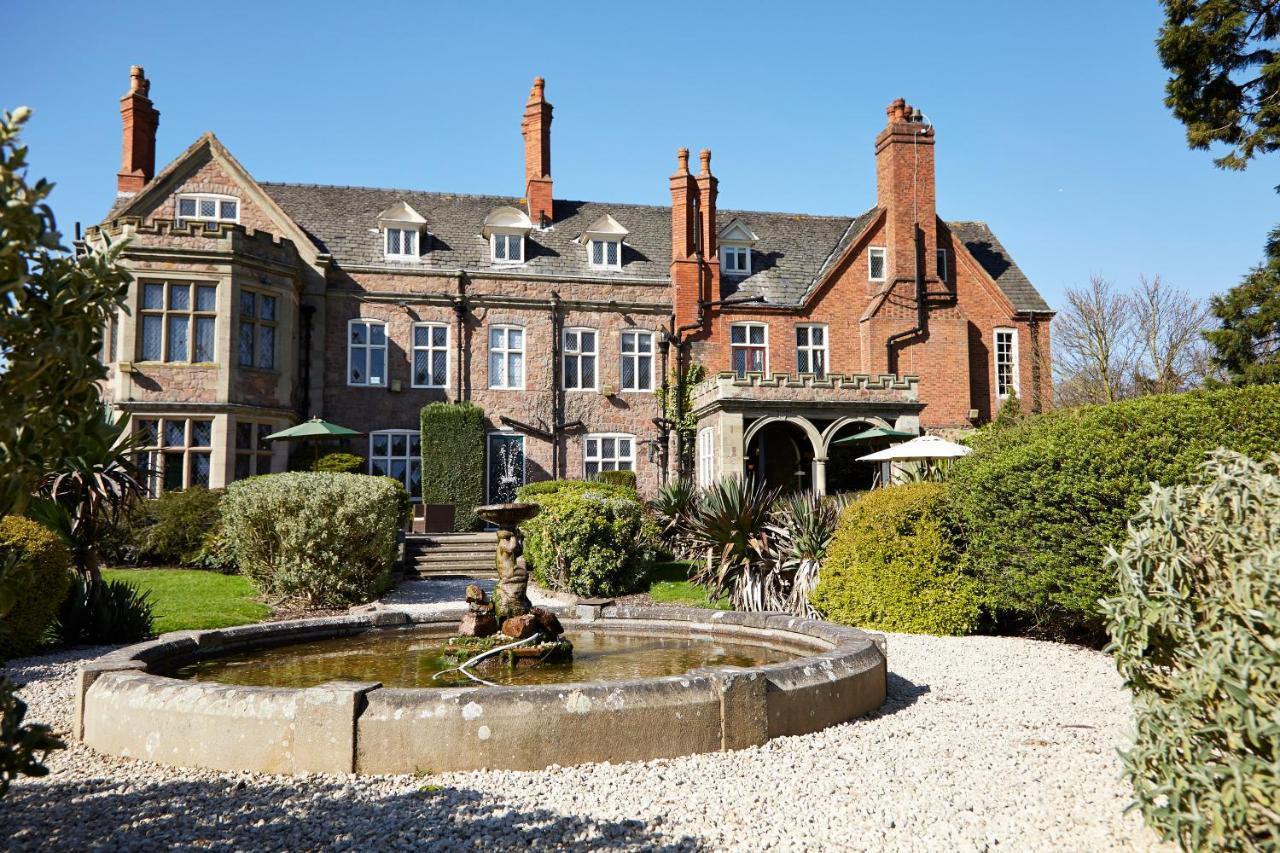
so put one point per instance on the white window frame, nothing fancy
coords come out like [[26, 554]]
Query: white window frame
[[216, 198], [401, 233], [506, 351], [604, 253], [430, 349], [368, 347], [706, 456], [409, 458], [810, 348], [579, 354], [617, 460], [741, 265], [1014, 383], [634, 355], [749, 346], [506, 237], [943, 271], [883, 254]]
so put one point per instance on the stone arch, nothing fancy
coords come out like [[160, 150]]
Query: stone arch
[[815, 437], [840, 423]]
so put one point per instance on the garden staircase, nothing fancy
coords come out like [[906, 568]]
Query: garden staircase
[[429, 555]]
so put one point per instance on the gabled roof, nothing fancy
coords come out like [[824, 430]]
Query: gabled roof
[[978, 238], [401, 213], [737, 231], [604, 228], [508, 217]]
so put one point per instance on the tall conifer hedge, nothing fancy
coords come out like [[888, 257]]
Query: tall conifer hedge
[[453, 436]]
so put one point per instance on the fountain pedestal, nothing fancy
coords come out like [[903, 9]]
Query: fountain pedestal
[[510, 596]]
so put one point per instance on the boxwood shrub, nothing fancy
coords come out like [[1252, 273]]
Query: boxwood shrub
[[39, 577], [1194, 630], [173, 529], [1040, 501], [325, 539], [339, 463], [894, 565], [590, 539], [453, 467]]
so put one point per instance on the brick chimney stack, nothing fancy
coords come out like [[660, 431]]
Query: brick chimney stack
[[140, 118], [707, 190], [536, 129], [905, 189], [686, 280]]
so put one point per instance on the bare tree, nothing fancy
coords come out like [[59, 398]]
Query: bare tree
[[1172, 354], [1095, 346]]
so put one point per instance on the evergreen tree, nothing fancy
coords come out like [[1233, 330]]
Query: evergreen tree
[[1247, 342]]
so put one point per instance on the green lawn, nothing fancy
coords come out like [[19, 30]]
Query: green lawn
[[183, 599], [669, 584]]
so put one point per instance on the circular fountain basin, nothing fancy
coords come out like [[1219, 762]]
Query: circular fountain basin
[[348, 694]]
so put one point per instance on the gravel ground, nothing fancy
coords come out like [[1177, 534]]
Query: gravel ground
[[985, 743]]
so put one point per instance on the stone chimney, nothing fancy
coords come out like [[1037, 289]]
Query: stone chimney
[[905, 190], [536, 129], [141, 118]]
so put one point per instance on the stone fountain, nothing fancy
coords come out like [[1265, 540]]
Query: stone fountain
[[509, 625]]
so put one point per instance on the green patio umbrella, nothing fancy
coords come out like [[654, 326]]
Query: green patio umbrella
[[315, 430], [874, 432]]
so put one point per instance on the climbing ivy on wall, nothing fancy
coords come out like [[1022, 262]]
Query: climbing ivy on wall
[[453, 459]]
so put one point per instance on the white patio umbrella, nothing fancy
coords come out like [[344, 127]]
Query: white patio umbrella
[[923, 447]]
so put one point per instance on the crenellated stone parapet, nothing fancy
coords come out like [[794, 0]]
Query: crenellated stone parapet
[[224, 238], [805, 389]]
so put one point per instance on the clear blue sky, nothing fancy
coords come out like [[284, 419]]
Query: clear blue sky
[[1050, 122]]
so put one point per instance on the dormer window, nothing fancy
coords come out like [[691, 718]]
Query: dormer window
[[507, 248], [208, 208], [505, 229], [735, 260], [603, 240], [402, 228], [606, 253], [736, 240]]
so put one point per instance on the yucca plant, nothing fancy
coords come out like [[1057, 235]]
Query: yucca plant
[[730, 526], [673, 507], [803, 525], [103, 612]]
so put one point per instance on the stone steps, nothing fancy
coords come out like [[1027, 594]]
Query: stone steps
[[451, 554]]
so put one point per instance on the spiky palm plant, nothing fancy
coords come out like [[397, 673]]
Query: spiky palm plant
[[729, 525], [803, 525], [95, 486], [674, 506]]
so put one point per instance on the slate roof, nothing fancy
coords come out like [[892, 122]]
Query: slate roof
[[793, 253]]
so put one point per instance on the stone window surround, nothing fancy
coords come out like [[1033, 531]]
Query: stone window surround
[[167, 313], [156, 452], [257, 323], [706, 470]]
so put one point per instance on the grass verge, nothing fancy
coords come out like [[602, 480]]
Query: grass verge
[[185, 599], [669, 584]]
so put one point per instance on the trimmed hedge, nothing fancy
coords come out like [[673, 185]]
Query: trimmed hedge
[[339, 463], [453, 467], [626, 479], [1041, 500], [327, 539], [894, 565], [40, 576], [1194, 630], [590, 539]]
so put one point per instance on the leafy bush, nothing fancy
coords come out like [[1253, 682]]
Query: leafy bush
[[1041, 500], [453, 467], [101, 613], [327, 539], [173, 529], [1194, 632], [893, 565], [40, 567], [589, 539], [339, 463], [626, 479], [23, 747]]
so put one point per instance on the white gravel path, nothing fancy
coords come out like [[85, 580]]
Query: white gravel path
[[986, 743]]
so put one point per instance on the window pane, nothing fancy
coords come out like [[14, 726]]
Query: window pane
[[393, 241], [410, 242], [757, 334], [628, 372], [497, 373], [644, 379], [200, 469], [818, 335], [738, 334], [570, 371], [421, 336], [380, 443], [415, 478], [588, 341], [415, 443], [186, 207], [592, 468], [206, 298], [593, 447], [515, 248], [820, 363], [179, 297], [356, 374], [740, 362], [757, 361], [244, 436], [802, 336], [613, 252], [359, 333], [267, 307], [606, 448], [377, 334], [149, 431], [175, 433], [440, 336], [201, 433], [264, 430], [178, 328], [172, 472], [151, 334], [204, 339], [399, 445], [499, 247], [266, 347], [243, 463], [421, 375], [247, 302], [377, 365], [208, 208], [153, 296], [439, 360], [588, 371], [597, 252], [515, 338], [515, 370], [378, 467], [246, 345], [227, 209]]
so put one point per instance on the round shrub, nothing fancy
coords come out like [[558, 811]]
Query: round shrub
[[618, 478], [339, 463], [893, 565], [590, 539], [38, 576], [325, 539], [1041, 500], [173, 529], [1194, 630]]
